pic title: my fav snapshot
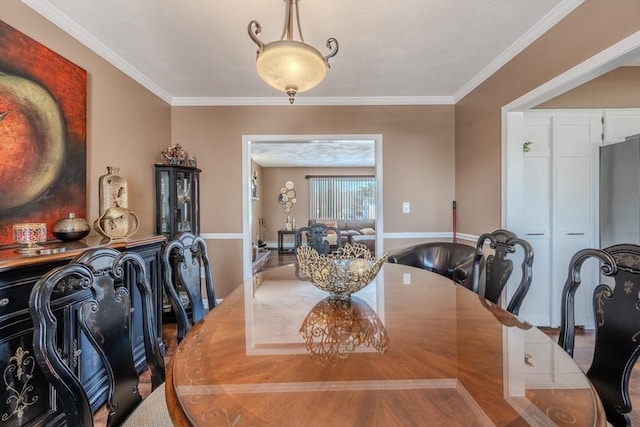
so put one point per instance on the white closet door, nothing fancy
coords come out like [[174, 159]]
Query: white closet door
[[559, 193], [572, 201], [536, 213]]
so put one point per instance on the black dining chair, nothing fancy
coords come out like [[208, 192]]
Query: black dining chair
[[617, 322], [452, 260], [89, 300], [184, 260], [320, 237], [499, 267]]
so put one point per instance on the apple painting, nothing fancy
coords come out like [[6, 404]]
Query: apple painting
[[43, 99], [33, 140]]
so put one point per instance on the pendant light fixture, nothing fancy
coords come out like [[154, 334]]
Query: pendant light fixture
[[289, 65]]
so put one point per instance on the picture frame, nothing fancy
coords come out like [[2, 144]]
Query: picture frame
[[254, 186]]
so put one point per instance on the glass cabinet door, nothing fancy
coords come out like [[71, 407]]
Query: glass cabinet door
[[184, 195], [164, 207], [177, 200]]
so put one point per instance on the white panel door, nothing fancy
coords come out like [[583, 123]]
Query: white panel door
[[573, 208], [536, 216], [559, 183], [536, 308]]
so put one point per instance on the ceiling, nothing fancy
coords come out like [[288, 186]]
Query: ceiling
[[198, 52], [392, 52], [314, 153]]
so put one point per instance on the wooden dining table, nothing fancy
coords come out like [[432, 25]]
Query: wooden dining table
[[410, 349]]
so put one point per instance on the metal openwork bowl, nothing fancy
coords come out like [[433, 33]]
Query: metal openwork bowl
[[335, 327], [341, 273]]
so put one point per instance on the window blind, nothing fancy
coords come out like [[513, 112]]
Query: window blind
[[342, 197]]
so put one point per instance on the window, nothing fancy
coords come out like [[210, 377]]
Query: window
[[342, 197]]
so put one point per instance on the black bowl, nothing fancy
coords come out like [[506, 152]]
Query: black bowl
[[70, 236]]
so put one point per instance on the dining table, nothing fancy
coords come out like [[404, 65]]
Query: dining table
[[412, 348]]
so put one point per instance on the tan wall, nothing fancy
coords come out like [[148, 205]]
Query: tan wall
[[418, 159], [619, 88], [589, 29], [274, 178], [127, 126]]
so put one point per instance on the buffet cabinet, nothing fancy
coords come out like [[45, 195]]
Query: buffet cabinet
[[26, 399]]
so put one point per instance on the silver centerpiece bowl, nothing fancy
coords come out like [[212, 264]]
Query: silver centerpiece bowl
[[341, 273]]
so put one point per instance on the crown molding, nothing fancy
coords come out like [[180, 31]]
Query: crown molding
[[53, 14], [284, 101], [544, 25]]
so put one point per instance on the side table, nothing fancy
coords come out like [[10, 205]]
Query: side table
[[281, 234]]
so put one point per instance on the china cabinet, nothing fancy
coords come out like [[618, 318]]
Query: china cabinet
[[177, 194]]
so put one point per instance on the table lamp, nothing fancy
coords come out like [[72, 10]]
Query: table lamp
[[29, 235]]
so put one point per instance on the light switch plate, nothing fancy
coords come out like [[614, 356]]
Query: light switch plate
[[406, 279], [406, 207]]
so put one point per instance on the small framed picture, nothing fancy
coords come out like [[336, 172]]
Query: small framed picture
[[254, 185]]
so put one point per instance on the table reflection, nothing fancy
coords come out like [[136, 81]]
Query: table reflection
[[276, 305], [334, 327], [412, 348]]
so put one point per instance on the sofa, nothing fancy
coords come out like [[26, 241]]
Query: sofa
[[353, 231], [452, 260]]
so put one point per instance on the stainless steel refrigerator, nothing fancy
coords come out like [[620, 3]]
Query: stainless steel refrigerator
[[620, 192]]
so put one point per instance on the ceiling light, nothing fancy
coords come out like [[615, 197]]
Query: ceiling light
[[289, 65]]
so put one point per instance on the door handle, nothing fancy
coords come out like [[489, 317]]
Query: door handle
[[535, 234], [575, 234]]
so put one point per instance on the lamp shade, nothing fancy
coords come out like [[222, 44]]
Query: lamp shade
[[288, 65]]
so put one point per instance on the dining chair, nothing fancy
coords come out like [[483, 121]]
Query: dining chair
[[90, 300], [319, 236], [617, 322], [452, 260], [498, 267], [184, 260]]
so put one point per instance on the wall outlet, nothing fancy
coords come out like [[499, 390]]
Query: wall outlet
[[406, 207], [406, 279]]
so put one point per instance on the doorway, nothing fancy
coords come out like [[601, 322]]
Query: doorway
[[513, 136], [247, 220]]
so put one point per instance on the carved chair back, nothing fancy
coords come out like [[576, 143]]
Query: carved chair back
[[315, 235], [90, 299], [184, 259], [499, 267], [617, 322]]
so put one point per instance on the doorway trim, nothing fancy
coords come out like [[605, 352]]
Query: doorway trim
[[247, 265]]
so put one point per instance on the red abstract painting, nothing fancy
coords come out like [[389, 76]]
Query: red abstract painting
[[43, 99]]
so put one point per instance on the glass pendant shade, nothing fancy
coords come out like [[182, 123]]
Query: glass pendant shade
[[291, 66]]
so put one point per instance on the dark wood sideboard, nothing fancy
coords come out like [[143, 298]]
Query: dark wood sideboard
[[25, 396]]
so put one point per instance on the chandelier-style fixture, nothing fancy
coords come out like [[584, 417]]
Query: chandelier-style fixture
[[289, 65]]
